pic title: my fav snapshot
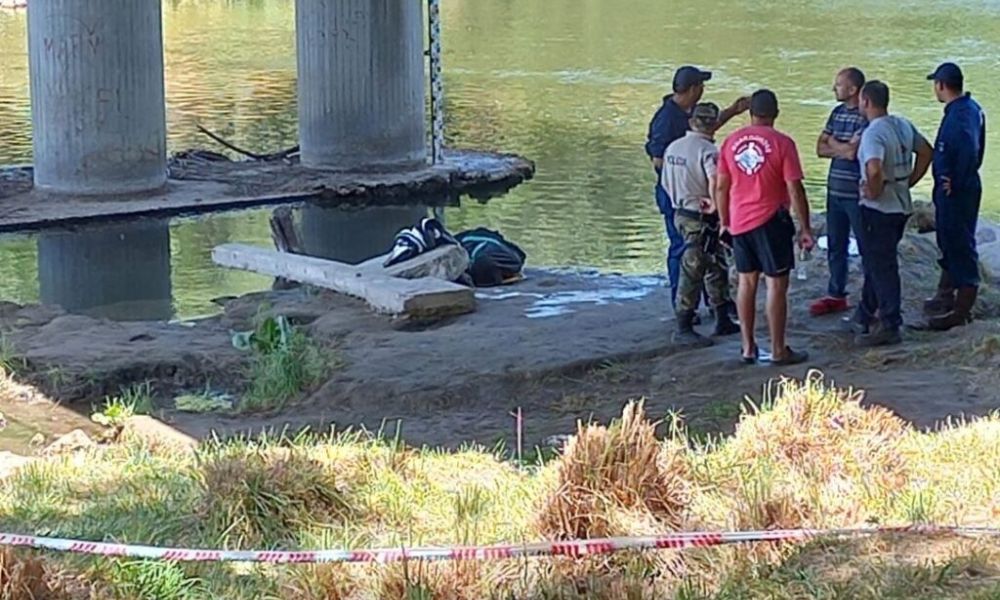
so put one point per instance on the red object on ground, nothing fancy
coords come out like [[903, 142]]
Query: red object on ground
[[828, 305]]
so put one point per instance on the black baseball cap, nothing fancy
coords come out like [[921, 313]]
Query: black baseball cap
[[763, 103], [688, 77], [947, 73]]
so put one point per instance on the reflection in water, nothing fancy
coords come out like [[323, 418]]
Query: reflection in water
[[571, 84], [120, 271], [353, 235]]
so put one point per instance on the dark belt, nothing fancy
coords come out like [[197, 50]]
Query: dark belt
[[697, 216]]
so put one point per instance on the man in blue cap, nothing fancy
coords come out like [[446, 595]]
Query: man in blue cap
[[670, 123], [958, 190]]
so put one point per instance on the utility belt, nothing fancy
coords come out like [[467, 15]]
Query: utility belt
[[711, 233], [698, 215]]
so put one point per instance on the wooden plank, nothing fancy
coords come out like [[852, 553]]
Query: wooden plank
[[445, 262], [285, 240], [425, 297]]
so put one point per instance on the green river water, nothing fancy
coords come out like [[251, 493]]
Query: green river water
[[569, 83]]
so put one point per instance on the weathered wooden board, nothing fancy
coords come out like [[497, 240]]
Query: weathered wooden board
[[424, 297]]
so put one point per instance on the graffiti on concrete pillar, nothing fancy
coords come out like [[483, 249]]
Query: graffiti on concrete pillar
[[108, 101], [85, 42]]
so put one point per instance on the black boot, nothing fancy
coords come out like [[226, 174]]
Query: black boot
[[961, 313], [943, 300], [723, 322], [686, 335]]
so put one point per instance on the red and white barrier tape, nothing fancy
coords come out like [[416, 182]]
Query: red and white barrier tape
[[572, 548]]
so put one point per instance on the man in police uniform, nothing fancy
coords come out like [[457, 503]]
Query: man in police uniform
[[669, 124], [688, 177], [958, 190]]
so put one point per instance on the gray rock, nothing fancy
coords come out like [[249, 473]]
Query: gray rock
[[557, 441], [10, 463], [157, 434], [71, 442]]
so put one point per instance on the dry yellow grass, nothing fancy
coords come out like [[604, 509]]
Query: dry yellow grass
[[24, 576], [808, 456], [615, 481]]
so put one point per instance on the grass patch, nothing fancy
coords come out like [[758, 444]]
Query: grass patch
[[255, 495], [806, 455], [151, 579], [9, 361], [133, 400], [284, 363]]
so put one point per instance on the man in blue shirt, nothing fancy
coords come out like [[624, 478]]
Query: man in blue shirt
[[839, 142], [958, 190], [670, 123]]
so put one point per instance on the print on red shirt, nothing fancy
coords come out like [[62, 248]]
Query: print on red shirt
[[760, 162], [750, 154]]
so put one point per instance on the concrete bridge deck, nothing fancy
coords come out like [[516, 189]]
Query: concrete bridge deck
[[201, 186]]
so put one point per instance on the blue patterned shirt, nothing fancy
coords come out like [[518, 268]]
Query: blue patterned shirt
[[845, 175]]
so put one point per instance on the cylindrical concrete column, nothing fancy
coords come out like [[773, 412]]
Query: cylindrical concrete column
[[97, 102], [120, 272], [354, 235], [361, 83]]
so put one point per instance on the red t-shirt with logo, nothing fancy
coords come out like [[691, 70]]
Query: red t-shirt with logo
[[760, 161]]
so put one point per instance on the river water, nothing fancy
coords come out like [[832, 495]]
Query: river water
[[569, 83]]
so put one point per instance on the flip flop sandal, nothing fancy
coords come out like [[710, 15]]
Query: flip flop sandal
[[791, 358], [750, 360]]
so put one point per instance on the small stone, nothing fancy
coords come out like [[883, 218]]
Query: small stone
[[557, 441], [37, 440], [10, 462], [157, 434], [71, 442]]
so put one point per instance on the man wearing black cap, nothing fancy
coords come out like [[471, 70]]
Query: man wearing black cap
[[669, 124], [958, 190]]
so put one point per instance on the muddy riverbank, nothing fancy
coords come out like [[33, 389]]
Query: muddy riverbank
[[561, 346]]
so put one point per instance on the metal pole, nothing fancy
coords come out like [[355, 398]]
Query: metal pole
[[437, 89]]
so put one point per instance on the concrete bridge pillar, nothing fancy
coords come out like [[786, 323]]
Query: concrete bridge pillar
[[361, 83], [97, 100]]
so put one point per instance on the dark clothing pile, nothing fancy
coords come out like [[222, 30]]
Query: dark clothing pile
[[493, 259]]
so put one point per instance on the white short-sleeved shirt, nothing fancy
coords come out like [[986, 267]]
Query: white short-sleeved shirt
[[688, 165], [892, 140]]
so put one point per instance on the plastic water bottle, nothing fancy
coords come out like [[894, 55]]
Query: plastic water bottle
[[801, 272]]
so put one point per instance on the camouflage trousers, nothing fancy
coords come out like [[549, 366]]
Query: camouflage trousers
[[699, 268]]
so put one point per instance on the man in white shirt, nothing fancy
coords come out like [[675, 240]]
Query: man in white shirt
[[888, 171]]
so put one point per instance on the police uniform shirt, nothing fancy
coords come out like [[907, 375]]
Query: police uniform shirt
[[688, 163]]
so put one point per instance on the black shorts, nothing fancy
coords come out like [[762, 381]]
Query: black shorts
[[769, 249]]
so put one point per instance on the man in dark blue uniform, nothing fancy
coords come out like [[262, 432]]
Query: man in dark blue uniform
[[958, 190], [670, 123]]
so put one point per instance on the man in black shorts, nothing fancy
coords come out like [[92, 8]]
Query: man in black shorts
[[759, 178]]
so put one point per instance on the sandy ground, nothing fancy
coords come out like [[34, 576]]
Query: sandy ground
[[561, 346]]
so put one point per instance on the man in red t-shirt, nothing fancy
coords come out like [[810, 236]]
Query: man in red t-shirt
[[759, 178]]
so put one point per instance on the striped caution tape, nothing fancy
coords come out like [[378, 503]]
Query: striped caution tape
[[571, 548]]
